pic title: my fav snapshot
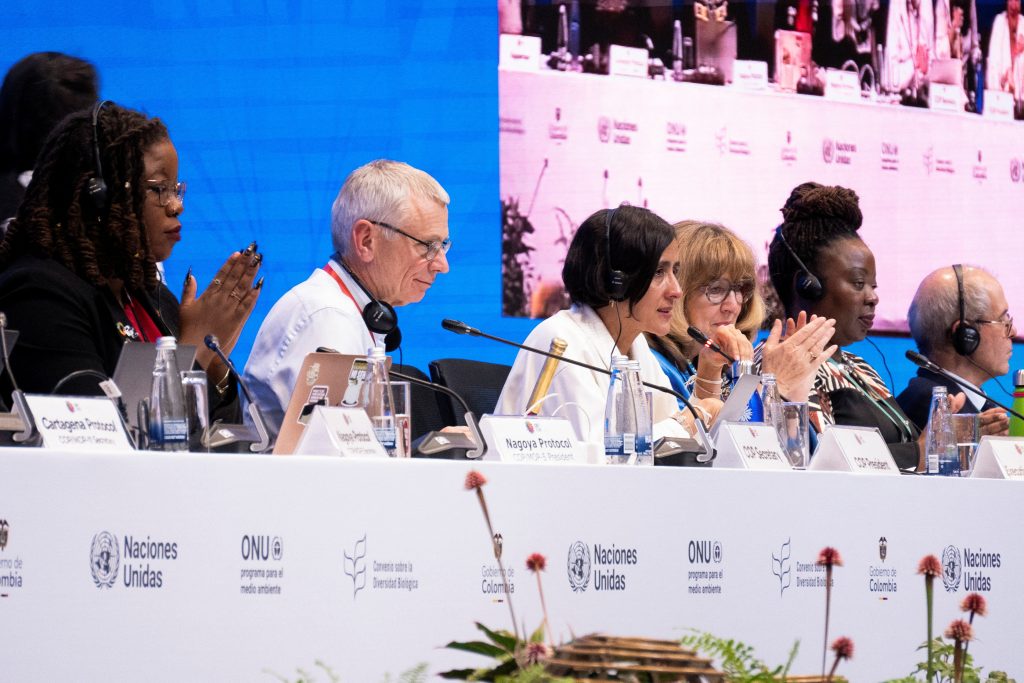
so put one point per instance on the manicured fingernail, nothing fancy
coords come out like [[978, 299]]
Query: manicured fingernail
[[251, 248], [259, 284], [188, 276], [256, 260]]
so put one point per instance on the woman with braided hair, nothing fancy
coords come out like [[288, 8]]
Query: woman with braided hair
[[79, 273], [819, 265]]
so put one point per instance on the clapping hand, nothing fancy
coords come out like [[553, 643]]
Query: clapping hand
[[795, 359]]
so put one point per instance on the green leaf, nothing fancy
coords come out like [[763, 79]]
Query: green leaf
[[538, 635], [502, 638], [457, 674], [479, 647]]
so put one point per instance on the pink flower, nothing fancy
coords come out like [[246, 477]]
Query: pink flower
[[537, 653], [536, 562], [929, 566], [975, 604], [960, 630], [843, 647], [829, 557], [474, 480]]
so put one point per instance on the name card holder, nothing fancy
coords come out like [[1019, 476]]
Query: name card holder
[[337, 431], [1000, 457], [750, 74], [842, 85], [946, 97], [627, 61], [80, 424], [749, 446], [998, 105], [519, 53], [860, 450], [538, 440]]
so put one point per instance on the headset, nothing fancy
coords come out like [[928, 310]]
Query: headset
[[617, 281], [966, 337], [808, 286], [379, 316], [97, 187]]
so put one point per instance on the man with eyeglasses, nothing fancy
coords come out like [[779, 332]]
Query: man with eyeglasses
[[389, 229], [960, 320]]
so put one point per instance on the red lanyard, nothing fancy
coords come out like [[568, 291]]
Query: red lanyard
[[344, 290]]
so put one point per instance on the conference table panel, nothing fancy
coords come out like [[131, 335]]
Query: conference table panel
[[169, 567]]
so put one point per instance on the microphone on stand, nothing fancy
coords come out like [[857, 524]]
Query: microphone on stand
[[221, 434], [702, 339], [19, 420], [438, 443], [922, 361], [701, 445]]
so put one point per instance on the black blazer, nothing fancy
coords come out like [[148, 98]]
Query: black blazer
[[916, 399], [851, 408], [67, 324]]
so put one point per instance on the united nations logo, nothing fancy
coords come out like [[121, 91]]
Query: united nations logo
[[951, 568], [579, 566], [1015, 170], [828, 150], [716, 552], [604, 129], [883, 546], [4, 532], [104, 559]]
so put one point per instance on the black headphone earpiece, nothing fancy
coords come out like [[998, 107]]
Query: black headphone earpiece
[[616, 282], [966, 337], [97, 187], [808, 286], [379, 316]]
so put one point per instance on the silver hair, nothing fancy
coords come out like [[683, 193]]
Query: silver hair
[[380, 191], [932, 313]]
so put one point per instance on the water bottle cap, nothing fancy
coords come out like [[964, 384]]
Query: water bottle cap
[[376, 352], [939, 391], [166, 343], [1018, 378], [767, 377]]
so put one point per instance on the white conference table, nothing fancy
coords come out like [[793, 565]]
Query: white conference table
[[244, 565]]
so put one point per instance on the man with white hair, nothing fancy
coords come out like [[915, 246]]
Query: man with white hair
[[389, 228], [960, 320]]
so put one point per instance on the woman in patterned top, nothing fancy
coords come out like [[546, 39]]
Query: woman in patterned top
[[837, 280]]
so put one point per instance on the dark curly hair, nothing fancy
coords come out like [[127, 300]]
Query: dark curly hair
[[59, 220], [814, 217]]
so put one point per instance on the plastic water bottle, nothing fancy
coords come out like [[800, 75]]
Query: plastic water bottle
[[378, 401], [168, 425], [940, 445], [1016, 424], [644, 422], [620, 415], [771, 401]]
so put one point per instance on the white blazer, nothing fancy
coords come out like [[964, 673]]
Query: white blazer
[[590, 342]]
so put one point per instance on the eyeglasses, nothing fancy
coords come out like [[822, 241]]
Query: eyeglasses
[[717, 290], [434, 247], [1007, 324], [164, 191]]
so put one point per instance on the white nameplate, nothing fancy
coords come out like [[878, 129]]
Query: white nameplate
[[346, 432], [860, 450], [519, 53], [542, 440], [76, 423], [946, 97], [1000, 457], [842, 85], [749, 446], [750, 74], [998, 105], [627, 61]]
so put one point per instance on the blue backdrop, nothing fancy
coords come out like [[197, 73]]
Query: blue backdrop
[[272, 103]]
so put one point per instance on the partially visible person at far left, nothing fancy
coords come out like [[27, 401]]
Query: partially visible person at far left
[[38, 92], [78, 265]]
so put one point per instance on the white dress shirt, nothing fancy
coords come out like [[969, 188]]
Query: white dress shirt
[[1000, 61], [590, 342], [311, 314], [904, 32]]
